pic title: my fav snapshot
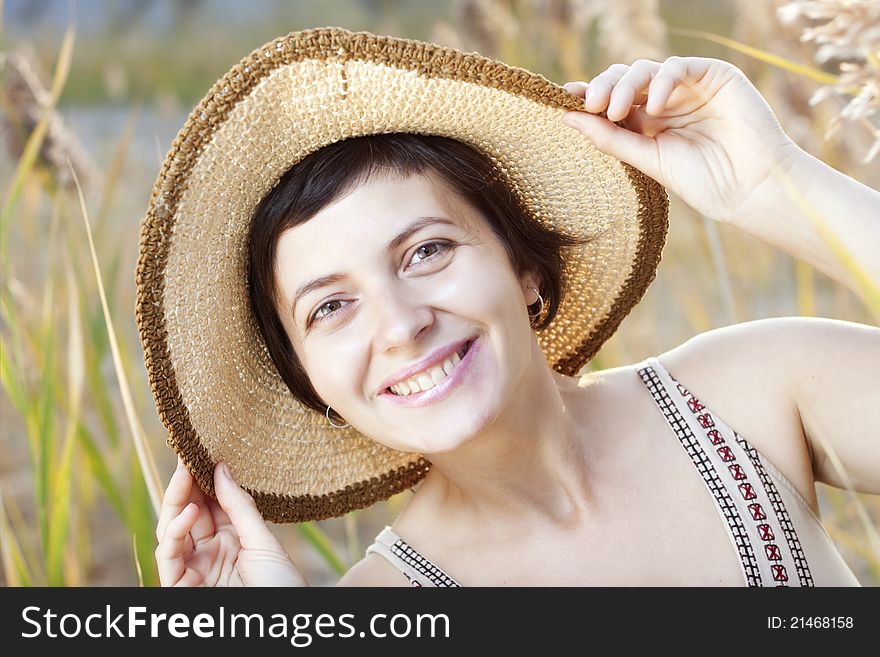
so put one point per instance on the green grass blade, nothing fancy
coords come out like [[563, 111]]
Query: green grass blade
[[59, 522], [145, 456], [142, 524], [137, 563], [99, 349], [10, 380], [100, 471], [318, 540], [24, 529], [59, 515], [43, 424], [11, 352], [15, 569]]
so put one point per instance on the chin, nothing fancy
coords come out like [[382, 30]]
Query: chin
[[450, 435]]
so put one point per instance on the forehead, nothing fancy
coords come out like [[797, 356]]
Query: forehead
[[370, 215]]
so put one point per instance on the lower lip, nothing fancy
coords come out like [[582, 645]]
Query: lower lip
[[442, 389]]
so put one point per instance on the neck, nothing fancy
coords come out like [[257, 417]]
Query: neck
[[528, 462]]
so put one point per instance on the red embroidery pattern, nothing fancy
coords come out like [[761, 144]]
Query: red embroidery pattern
[[773, 552], [736, 522], [789, 535], [736, 471], [746, 488], [757, 512]]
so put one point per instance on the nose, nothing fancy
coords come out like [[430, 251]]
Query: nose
[[401, 319]]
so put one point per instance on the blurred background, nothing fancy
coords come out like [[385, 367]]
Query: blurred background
[[106, 85]]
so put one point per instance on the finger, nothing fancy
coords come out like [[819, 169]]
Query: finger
[[220, 517], [671, 74], [624, 144], [631, 89], [252, 530], [577, 89], [674, 73], [176, 497], [204, 526], [599, 89], [191, 577], [644, 124], [659, 93], [172, 549]]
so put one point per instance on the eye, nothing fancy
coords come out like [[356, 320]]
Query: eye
[[429, 250], [319, 315]]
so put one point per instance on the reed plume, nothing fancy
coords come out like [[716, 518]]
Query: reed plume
[[24, 98], [846, 34]]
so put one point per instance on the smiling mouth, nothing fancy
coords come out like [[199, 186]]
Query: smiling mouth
[[430, 377]]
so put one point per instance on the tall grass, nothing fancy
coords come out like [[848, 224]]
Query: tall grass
[[73, 381]]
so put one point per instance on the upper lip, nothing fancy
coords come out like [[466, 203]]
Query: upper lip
[[434, 358]]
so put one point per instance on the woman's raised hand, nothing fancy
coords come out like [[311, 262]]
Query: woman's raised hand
[[223, 542], [696, 125]]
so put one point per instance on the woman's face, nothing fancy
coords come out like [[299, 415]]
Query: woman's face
[[411, 274]]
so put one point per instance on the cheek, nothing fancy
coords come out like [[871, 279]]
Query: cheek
[[333, 367], [483, 287]]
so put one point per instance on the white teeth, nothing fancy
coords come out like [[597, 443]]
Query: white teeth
[[427, 379], [437, 374]]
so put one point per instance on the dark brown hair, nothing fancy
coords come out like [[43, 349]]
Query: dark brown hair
[[329, 173]]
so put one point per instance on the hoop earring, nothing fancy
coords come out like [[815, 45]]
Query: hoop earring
[[327, 413], [541, 309]]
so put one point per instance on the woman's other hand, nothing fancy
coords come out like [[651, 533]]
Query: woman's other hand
[[222, 542], [696, 125]]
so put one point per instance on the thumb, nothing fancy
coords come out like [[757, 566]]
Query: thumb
[[253, 532], [628, 146]]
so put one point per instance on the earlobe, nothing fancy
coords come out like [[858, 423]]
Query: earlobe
[[530, 282]]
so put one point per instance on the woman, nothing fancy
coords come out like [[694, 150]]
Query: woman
[[422, 336]]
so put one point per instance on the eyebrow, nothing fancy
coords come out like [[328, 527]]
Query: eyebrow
[[329, 279]]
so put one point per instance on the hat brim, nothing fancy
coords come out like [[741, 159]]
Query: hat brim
[[215, 386]]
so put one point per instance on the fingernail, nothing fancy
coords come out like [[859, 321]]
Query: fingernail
[[226, 470]]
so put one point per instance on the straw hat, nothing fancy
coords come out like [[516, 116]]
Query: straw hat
[[216, 389]]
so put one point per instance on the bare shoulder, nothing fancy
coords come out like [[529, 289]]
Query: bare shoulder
[[780, 351], [772, 333], [373, 570], [745, 374]]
